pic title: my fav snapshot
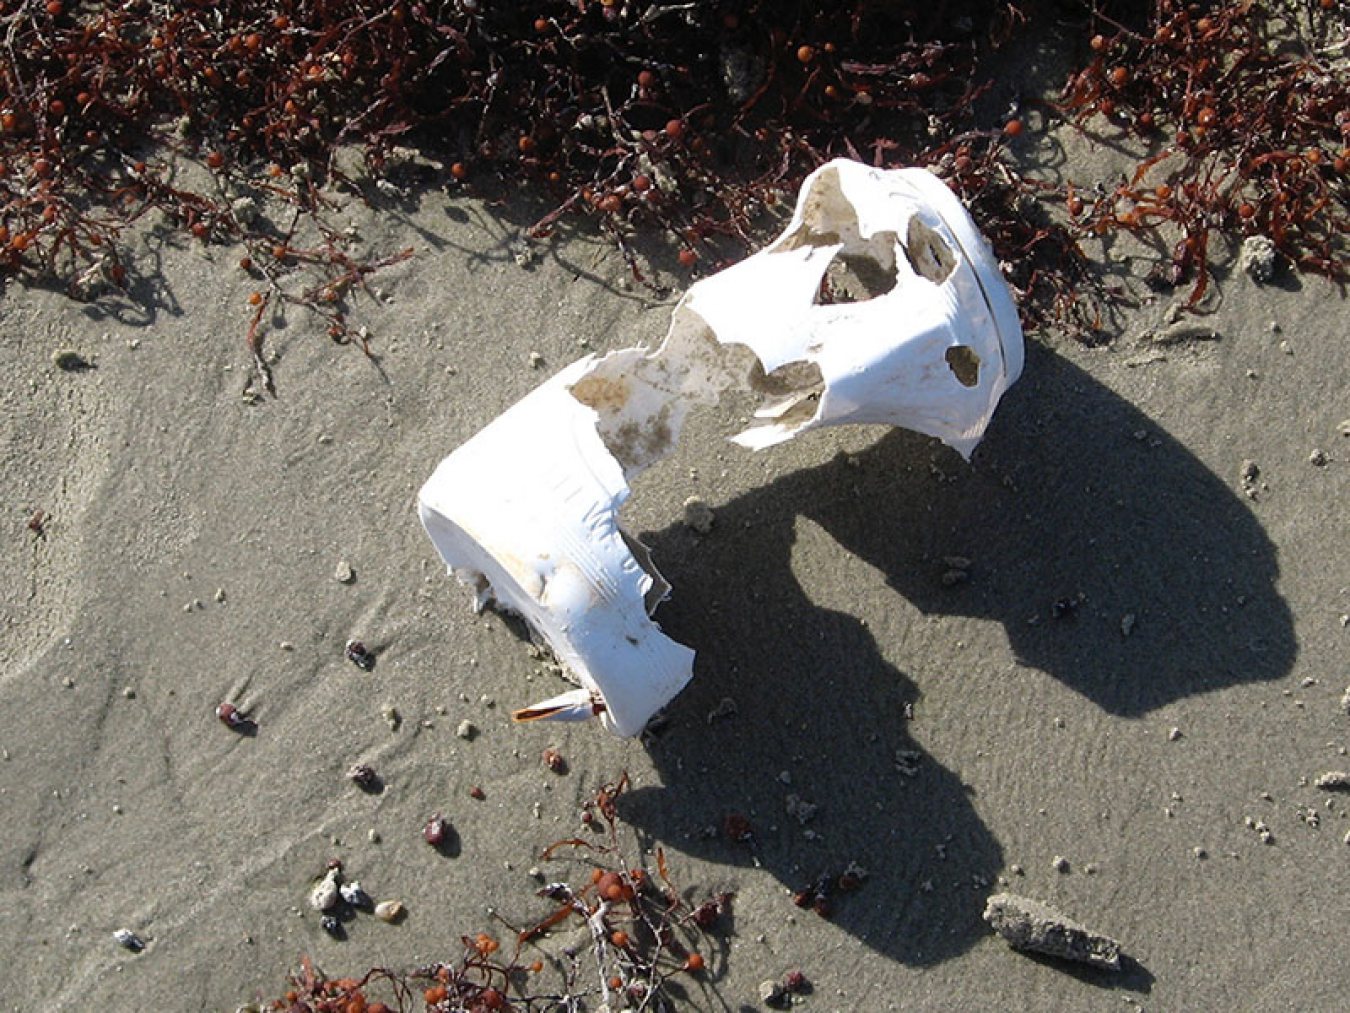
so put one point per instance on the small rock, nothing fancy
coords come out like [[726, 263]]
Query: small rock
[[69, 360], [1345, 700], [1174, 734], [357, 653], [331, 925], [1059, 863], [554, 761], [129, 940], [232, 717], [1030, 925], [1248, 473], [389, 911], [354, 895], [1333, 780], [326, 892], [436, 831], [698, 516], [343, 572], [771, 993], [391, 716], [1127, 622], [363, 776], [1258, 258], [536, 360], [1318, 458], [467, 729]]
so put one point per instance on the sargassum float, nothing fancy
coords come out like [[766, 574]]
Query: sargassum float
[[527, 511]]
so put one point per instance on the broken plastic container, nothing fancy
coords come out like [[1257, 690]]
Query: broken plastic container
[[878, 303], [526, 513]]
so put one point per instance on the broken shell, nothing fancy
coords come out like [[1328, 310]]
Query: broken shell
[[879, 303], [389, 911], [326, 892]]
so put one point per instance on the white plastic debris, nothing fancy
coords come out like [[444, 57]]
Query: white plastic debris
[[878, 303]]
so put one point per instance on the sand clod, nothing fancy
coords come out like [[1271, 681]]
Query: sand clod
[[1030, 925]]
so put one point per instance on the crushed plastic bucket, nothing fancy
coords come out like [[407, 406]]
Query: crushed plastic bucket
[[878, 303]]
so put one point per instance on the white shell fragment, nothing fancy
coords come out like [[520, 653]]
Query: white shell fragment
[[879, 303]]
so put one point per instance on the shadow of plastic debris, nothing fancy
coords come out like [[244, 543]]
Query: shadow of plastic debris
[[1078, 512]]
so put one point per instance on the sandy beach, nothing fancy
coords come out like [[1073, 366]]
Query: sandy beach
[[1120, 709]]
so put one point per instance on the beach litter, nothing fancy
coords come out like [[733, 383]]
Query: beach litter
[[1027, 924], [879, 303]]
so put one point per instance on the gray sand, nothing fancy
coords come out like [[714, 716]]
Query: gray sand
[[198, 549]]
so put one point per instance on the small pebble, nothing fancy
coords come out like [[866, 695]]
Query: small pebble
[[477, 793], [536, 360], [231, 716], [698, 515], [1059, 863], [554, 761], [331, 925], [466, 730], [1318, 458], [326, 892], [436, 830], [389, 911], [1174, 734], [770, 993], [363, 776], [391, 716], [1258, 258], [358, 655], [354, 895], [128, 939], [343, 573]]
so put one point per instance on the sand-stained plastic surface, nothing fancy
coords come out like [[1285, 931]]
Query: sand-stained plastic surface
[[878, 303]]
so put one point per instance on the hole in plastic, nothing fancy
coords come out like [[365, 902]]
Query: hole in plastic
[[964, 364], [928, 252]]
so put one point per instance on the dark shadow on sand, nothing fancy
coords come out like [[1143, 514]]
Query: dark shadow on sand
[[1077, 506]]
